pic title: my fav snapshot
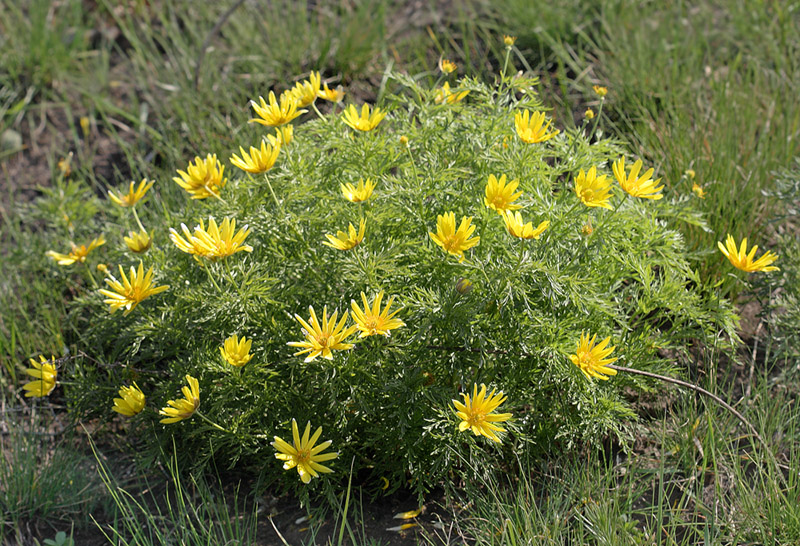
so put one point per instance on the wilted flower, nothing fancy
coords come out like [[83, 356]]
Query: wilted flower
[[131, 291], [45, 375], [274, 113], [477, 415], [372, 321], [138, 242], [183, 408], [134, 195], [347, 241], [331, 95], [215, 243], [593, 190], [531, 128], [446, 66], [690, 173], [302, 454], [464, 286], [601, 91], [637, 186], [519, 229], [500, 196], [322, 339], [364, 121], [591, 358], [77, 254], [452, 240], [305, 93], [131, 401], [258, 160], [445, 95], [698, 191], [236, 352], [360, 193], [743, 260], [203, 178]]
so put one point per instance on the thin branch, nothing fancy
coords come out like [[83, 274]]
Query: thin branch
[[210, 36]]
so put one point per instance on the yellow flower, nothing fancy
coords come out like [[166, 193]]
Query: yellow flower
[[360, 193], [257, 161], [203, 178], [690, 173], [519, 229], [451, 240], [476, 413], [276, 114], [45, 373], [593, 190], [445, 95], [373, 321], [305, 93], [601, 91], [638, 186], [589, 113], [365, 121], [138, 242], [509, 40], [131, 401], [302, 454], [283, 136], [133, 196], [184, 408], [65, 165], [331, 95], [215, 243], [236, 352], [591, 358], [131, 291], [446, 66], [464, 286], [347, 241], [404, 140], [698, 191], [743, 260], [322, 339], [530, 127], [77, 254], [587, 229], [499, 196]]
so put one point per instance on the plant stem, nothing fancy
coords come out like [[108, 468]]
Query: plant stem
[[136, 217], [210, 276], [314, 106], [212, 423]]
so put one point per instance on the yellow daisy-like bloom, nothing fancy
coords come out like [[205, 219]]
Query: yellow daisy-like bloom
[[365, 121], [275, 114], [591, 358], [531, 128], [360, 193], [131, 401], [236, 352], [637, 186], [445, 95], [134, 195], [45, 373], [372, 321], [214, 243], [78, 254], [305, 93], [347, 241], [184, 408], [593, 190], [131, 291], [500, 196], [322, 339], [698, 191], [203, 178], [283, 136], [138, 242], [447, 66], [331, 95], [476, 413], [743, 260], [452, 240], [521, 230], [302, 454], [601, 91], [258, 160], [509, 40]]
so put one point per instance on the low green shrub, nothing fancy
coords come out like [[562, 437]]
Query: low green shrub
[[508, 312]]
